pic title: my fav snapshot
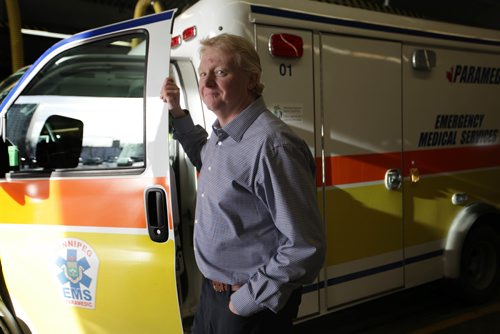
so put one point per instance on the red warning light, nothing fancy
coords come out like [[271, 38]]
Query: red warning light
[[286, 45], [176, 41], [189, 33]]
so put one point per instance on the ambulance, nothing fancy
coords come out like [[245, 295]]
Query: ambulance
[[97, 200]]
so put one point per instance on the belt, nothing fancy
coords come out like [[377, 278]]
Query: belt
[[222, 287]]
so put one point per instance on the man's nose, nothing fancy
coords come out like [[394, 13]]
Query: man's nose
[[210, 80]]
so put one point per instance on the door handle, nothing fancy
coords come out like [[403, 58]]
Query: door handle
[[156, 214], [392, 179], [415, 175]]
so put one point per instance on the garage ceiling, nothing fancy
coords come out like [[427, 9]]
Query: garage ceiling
[[71, 16]]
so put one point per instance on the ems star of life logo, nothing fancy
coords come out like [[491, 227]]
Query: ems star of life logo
[[78, 267]]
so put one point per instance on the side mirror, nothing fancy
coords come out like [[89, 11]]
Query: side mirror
[[60, 143]]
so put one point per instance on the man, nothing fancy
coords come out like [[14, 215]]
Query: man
[[258, 235]]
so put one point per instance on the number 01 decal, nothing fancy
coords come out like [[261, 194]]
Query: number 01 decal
[[286, 70]]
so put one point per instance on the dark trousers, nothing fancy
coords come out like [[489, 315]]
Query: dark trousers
[[214, 317]]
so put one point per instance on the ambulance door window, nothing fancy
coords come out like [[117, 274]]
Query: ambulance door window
[[100, 83]]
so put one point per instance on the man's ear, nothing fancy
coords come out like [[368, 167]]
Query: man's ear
[[254, 80]]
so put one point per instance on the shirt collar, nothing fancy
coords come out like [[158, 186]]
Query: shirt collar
[[239, 125]]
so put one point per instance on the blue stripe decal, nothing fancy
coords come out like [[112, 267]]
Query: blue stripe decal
[[363, 25], [424, 257], [371, 271], [163, 16], [364, 273]]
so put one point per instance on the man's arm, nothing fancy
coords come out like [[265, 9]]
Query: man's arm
[[191, 137]]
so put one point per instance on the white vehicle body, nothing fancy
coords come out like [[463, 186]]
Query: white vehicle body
[[374, 93]]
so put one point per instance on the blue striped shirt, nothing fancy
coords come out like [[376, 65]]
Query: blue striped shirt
[[257, 221]]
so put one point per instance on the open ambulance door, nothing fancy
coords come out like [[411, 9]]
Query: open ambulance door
[[86, 222]]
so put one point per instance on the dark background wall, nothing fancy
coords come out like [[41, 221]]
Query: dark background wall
[[72, 16]]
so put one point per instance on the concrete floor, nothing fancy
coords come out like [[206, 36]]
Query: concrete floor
[[423, 310]]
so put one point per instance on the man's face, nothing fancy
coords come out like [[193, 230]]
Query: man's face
[[224, 87]]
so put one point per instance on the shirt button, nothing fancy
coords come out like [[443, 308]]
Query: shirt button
[[202, 194], [196, 221], [219, 143], [209, 168]]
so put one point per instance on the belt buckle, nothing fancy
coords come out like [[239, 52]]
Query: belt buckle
[[219, 286]]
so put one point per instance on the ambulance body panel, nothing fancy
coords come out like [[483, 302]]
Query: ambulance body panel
[[359, 96], [401, 114], [452, 154]]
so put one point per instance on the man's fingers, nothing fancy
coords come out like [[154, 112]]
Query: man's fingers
[[168, 89]]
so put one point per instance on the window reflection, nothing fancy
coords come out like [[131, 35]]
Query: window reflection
[[99, 83]]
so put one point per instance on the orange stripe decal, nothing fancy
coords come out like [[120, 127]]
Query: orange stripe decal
[[117, 202], [358, 168], [452, 159]]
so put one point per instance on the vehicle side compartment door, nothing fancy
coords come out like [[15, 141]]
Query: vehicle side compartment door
[[361, 109]]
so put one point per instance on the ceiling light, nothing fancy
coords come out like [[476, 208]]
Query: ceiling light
[[44, 33]]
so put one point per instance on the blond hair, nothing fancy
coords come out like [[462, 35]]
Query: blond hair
[[244, 53]]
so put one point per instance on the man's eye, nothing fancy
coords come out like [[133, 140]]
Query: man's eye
[[203, 74], [220, 73]]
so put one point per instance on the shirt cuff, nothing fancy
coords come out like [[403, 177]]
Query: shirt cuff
[[244, 302]]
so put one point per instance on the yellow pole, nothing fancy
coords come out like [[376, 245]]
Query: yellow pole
[[16, 40], [140, 9], [158, 7], [142, 5]]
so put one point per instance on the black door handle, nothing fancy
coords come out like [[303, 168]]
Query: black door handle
[[157, 214]]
